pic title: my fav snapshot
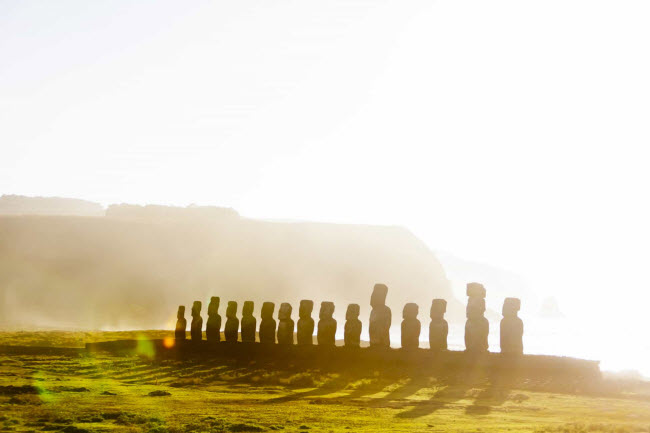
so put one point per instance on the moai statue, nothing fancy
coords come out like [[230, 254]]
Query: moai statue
[[181, 324], [213, 327], [286, 325], [438, 329], [352, 335], [231, 330], [326, 334], [267, 324], [196, 330], [410, 326], [477, 326], [512, 328], [248, 323], [305, 323], [380, 317]]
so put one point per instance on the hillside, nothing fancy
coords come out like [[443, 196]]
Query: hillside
[[132, 272], [22, 205]]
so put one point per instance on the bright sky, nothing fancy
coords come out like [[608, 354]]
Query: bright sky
[[513, 133]]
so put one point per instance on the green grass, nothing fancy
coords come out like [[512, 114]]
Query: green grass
[[75, 394], [75, 338]]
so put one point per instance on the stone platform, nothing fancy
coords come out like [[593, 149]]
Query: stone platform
[[419, 361]]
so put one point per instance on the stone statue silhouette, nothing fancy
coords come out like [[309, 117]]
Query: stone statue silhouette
[[512, 328], [181, 324], [438, 329], [305, 323], [352, 330], [477, 326], [231, 330], [380, 317], [326, 325], [213, 326], [196, 330], [267, 324], [248, 322], [410, 327], [286, 325]]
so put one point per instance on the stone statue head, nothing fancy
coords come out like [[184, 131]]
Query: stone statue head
[[196, 309], [410, 311], [213, 306], [475, 290], [267, 310], [181, 312], [326, 310], [247, 310], [438, 308], [475, 308], [231, 310], [378, 297], [285, 311], [352, 312], [306, 307], [511, 307]]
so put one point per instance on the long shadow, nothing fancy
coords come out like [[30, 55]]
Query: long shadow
[[493, 391], [495, 394], [370, 389], [330, 387], [396, 396], [306, 394], [453, 392], [411, 387]]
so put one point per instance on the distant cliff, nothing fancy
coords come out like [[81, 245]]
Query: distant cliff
[[22, 205], [157, 212], [131, 269]]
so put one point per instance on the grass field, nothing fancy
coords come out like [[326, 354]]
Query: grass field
[[74, 392]]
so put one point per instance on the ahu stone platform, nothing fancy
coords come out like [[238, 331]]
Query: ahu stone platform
[[341, 358], [277, 339]]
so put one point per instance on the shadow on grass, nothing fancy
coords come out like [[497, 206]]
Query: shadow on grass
[[329, 387], [446, 396], [495, 394]]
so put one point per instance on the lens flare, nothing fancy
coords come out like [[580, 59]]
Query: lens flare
[[145, 347], [168, 342]]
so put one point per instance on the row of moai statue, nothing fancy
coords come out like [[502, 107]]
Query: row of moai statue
[[476, 328]]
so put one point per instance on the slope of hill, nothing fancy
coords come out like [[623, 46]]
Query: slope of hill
[[22, 205], [110, 272]]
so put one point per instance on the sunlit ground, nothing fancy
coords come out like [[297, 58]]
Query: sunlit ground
[[73, 393]]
